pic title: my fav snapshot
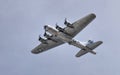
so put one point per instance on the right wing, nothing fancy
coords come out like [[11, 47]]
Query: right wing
[[44, 47], [79, 25]]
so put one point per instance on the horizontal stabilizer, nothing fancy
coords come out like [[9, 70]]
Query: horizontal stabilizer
[[81, 52], [90, 47], [94, 45]]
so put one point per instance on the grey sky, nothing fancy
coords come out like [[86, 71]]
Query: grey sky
[[21, 21]]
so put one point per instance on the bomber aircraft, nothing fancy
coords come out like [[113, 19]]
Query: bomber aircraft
[[55, 36]]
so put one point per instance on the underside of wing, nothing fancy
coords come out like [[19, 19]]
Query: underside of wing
[[79, 25], [81, 52], [45, 46], [94, 45]]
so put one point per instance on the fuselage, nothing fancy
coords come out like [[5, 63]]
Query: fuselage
[[64, 37]]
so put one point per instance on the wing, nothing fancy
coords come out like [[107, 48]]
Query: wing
[[81, 52], [94, 45], [44, 47], [90, 46], [79, 25]]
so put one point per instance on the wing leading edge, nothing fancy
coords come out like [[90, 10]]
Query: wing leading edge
[[44, 47], [80, 24]]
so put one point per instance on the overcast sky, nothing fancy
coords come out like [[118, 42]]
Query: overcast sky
[[21, 22]]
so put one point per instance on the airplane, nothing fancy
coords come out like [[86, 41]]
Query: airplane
[[55, 36]]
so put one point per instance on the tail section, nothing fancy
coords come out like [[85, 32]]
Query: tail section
[[94, 45], [89, 48]]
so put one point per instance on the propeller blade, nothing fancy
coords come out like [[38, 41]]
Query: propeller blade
[[45, 33], [45, 27], [65, 21], [39, 38], [56, 25]]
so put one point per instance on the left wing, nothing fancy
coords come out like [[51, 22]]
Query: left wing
[[43, 47]]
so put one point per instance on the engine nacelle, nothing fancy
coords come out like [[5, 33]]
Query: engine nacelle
[[59, 28], [68, 24], [48, 36], [42, 40], [51, 30]]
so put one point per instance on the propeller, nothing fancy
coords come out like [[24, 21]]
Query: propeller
[[65, 21], [45, 27], [39, 38], [42, 40], [56, 26], [45, 33], [68, 24]]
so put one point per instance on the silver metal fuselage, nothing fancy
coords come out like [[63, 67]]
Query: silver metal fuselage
[[66, 38], [62, 36]]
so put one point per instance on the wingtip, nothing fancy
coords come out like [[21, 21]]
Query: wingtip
[[101, 42], [34, 52], [93, 14], [77, 56]]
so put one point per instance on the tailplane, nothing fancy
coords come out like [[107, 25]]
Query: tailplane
[[93, 45], [90, 46]]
